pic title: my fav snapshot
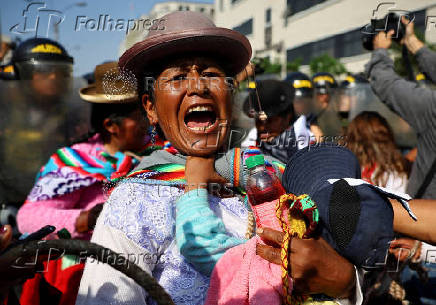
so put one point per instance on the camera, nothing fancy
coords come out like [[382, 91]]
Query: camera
[[391, 21]]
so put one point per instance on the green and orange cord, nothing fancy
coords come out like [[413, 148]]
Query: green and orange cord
[[295, 227]]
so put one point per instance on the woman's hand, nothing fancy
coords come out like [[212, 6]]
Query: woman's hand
[[200, 171], [315, 265], [402, 248], [11, 273], [5, 236], [15, 270]]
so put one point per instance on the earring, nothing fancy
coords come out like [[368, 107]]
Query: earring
[[262, 115], [153, 134]]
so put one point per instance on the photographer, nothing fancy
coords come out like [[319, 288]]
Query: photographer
[[414, 104]]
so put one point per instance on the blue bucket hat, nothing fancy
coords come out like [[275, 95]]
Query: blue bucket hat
[[356, 218]]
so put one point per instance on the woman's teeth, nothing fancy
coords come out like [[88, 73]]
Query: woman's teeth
[[200, 108], [200, 118], [199, 128]]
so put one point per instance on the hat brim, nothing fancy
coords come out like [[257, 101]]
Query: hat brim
[[275, 97], [311, 167], [90, 94], [230, 47]]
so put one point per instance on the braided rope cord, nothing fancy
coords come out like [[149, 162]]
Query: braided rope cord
[[300, 208], [83, 248]]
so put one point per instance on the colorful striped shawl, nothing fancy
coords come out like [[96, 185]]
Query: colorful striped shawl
[[174, 174], [72, 168], [86, 165]]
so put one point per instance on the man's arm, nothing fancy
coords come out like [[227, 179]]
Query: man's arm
[[427, 62], [425, 57], [414, 104], [423, 229]]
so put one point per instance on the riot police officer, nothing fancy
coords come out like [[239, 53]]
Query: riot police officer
[[348, 96], [42, 60], [303, 92], [324, 105], [35, 114]]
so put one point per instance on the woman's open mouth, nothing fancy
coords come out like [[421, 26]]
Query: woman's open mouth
[[200, 118]]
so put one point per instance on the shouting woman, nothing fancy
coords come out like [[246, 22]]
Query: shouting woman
[[184, 74]]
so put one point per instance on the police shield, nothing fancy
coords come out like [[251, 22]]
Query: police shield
[[37, 118], [325, 109], [359, 98]]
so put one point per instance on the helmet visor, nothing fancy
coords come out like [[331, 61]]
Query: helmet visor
[[302, 101], [57, 69]]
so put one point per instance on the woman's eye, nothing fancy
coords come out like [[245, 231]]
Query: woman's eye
[[179, 77], [210, 74]]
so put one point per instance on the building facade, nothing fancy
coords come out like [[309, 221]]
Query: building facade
[[284, 30], [160, 9]]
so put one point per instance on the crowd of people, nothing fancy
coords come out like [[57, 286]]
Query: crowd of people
[[157, 179]]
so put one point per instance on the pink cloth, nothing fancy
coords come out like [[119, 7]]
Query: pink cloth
[[265, 215], [60, 212], [242, 277], [63, 211]]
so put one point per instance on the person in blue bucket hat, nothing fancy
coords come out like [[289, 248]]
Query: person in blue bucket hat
[[358, 221], [356, 218]]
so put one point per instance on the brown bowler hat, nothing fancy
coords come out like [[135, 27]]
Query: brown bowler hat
[[111, 86], [185, 32]]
